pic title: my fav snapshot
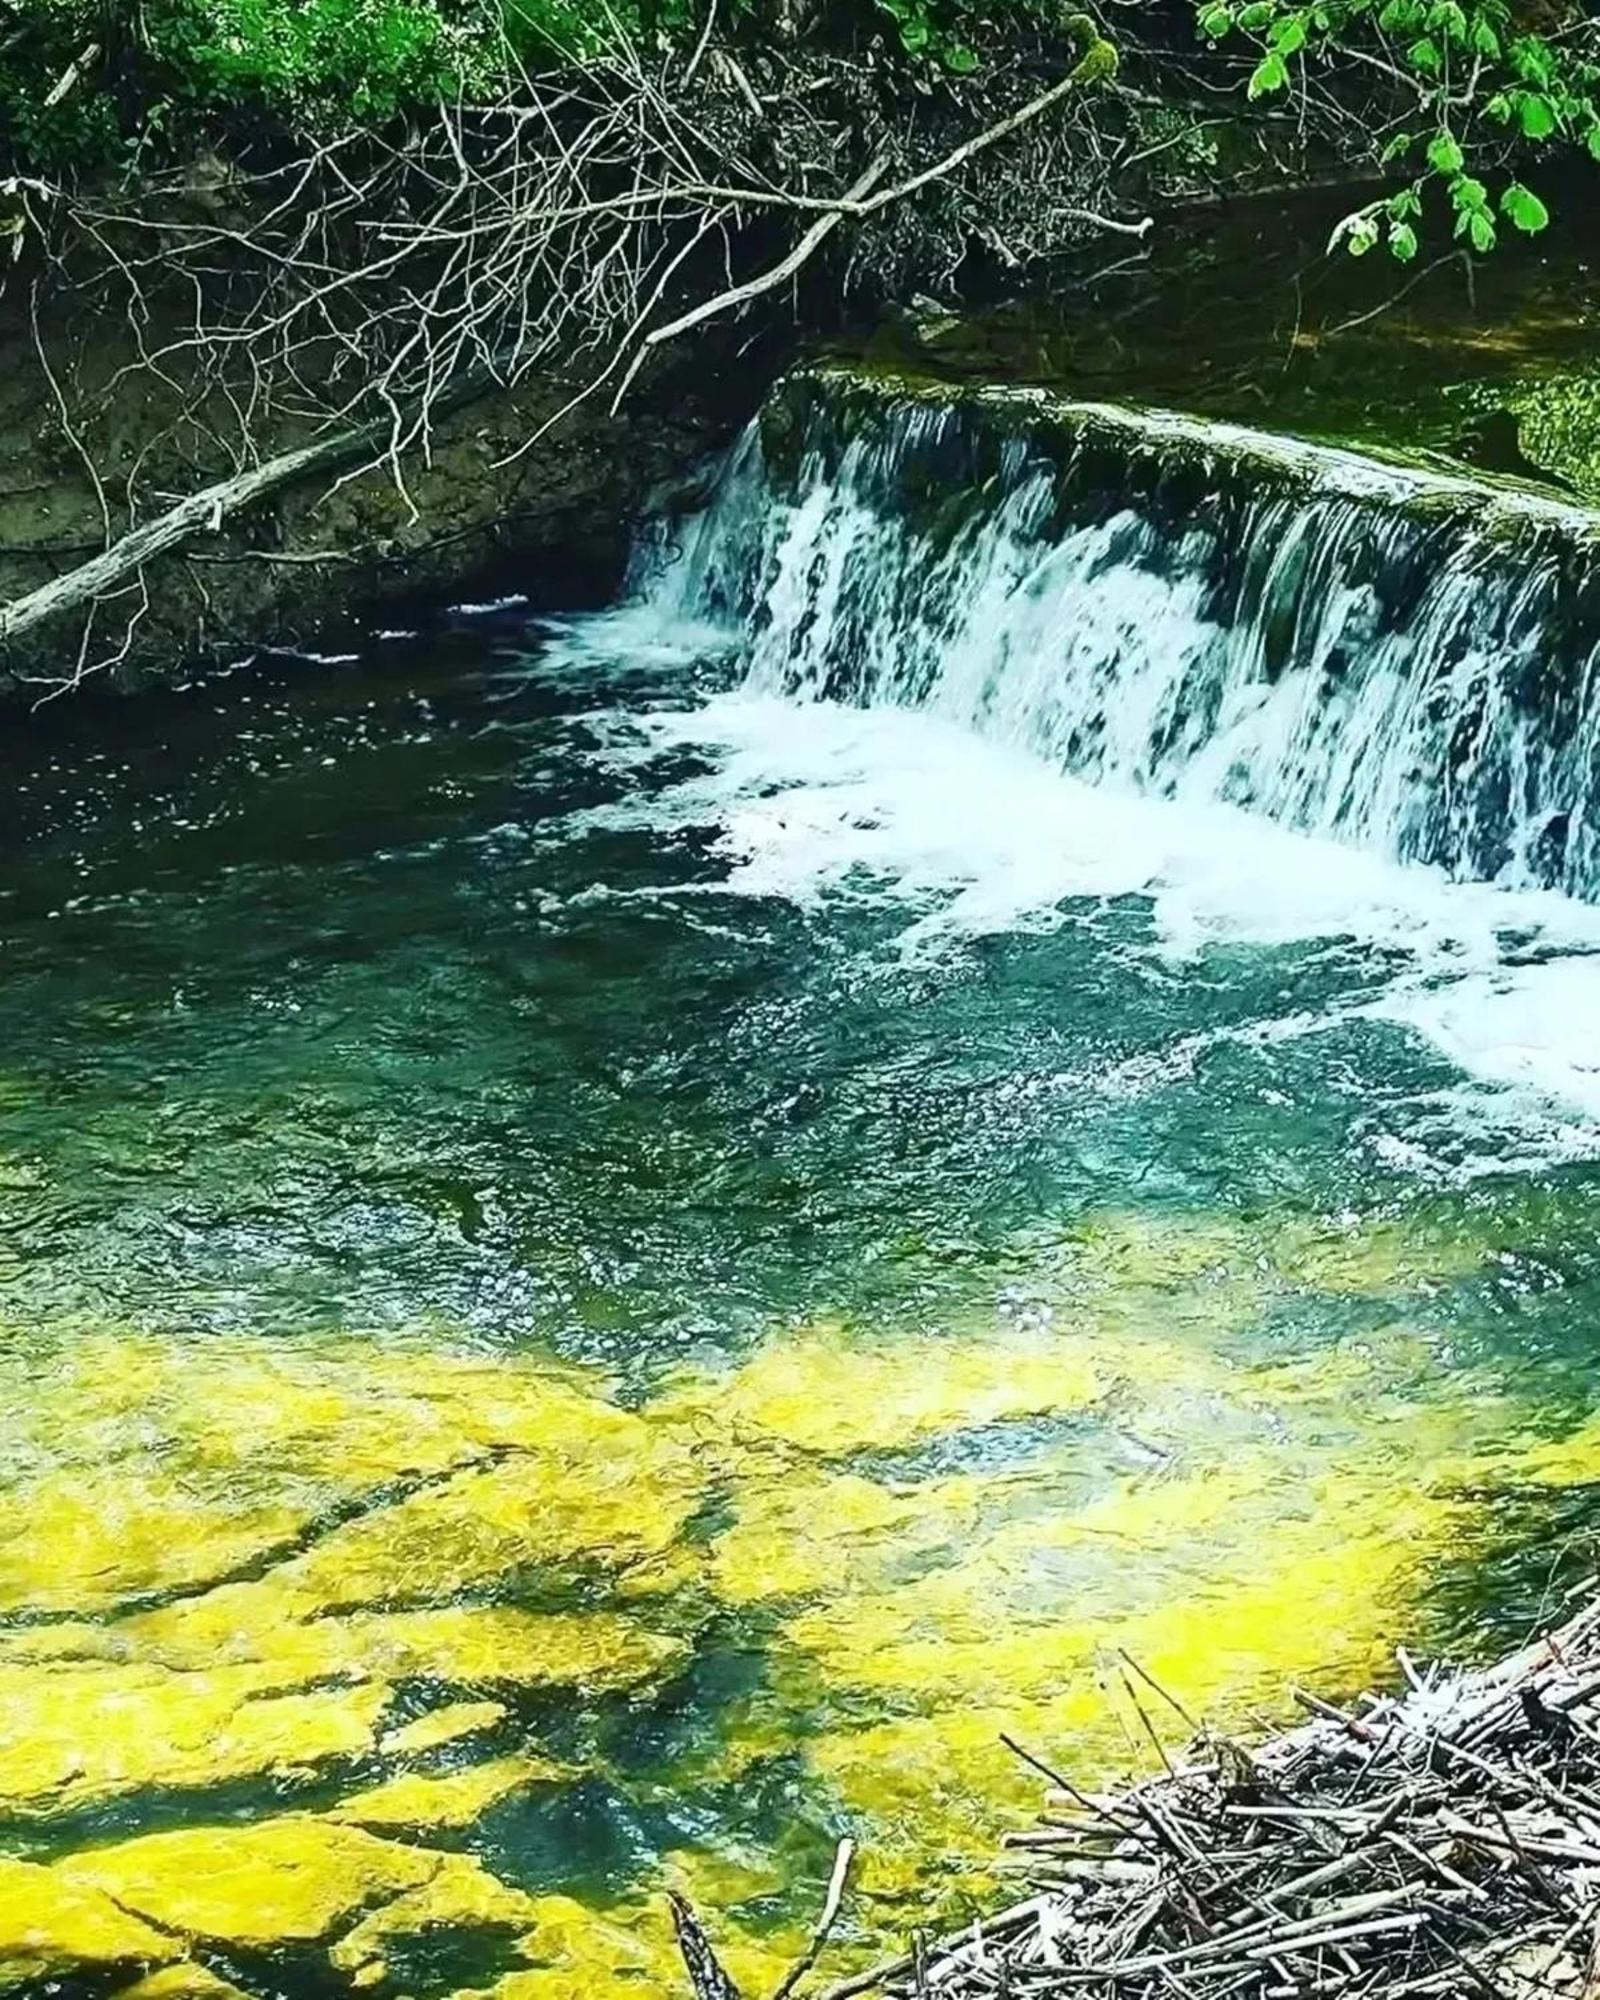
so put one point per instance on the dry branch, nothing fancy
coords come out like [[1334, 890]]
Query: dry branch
[[572, 228], [202, 512], [1443, 1841]]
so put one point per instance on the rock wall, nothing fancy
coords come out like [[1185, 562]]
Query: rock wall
[[478, 510]]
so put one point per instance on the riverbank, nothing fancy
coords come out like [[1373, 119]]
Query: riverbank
[[501, 501], [1443, 1840], [298, 326]]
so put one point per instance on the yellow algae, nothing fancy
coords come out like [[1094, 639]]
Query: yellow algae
[[625, 1953], [826, 1391], [934, 1791], [937, 1781], [277, 1632], [442, 1725], [49, 1927], [1241, 1259], [185, 1981], [459, 1895], [1312, 1593], [809, 1530], [1573, 1460], [1033, 1593], [1323, 1601], [448, 1799], [585, 1503], [80, 1734], [144, 1465], [294, 1879], [97, 1535], [574, 1950], [720, 1880]]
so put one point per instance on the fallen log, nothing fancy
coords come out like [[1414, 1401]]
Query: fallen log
[[202, 512]]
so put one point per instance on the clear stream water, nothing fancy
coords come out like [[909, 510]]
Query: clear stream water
[[621, 1240]]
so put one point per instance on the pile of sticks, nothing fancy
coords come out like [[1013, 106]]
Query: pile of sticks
[[1441, 1841]]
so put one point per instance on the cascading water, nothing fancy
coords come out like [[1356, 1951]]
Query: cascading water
[[1017, 663], [1395, 658]]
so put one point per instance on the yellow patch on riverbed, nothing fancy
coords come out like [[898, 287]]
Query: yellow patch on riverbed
[[466, 1645], [627, 1953], [185, 1981], [146, 1465], [80, 1733], [460, 1895], [448, 1799], [912, 1541], [1190, 1257], [141, 1467], [830, 1392], [50, 1927], [293, 1879], [439, 1726]]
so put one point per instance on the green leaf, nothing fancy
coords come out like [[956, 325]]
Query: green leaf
[[1537, 114], [1485, 41], [1270, 74], [1216, 21], [1363, 236], [1444, 155], [1289, 35], [1480, 228], [1424, 55], [1448, 18], [1592, 141], [1258, 15], [1400, 17], [1403, 241], [1523, 209]]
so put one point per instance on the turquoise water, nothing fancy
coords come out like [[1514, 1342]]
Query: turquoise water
[[964, 1273]]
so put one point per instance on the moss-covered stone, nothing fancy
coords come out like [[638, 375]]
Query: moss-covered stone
[[297, 1879], [448, 1800], [50, 1928]]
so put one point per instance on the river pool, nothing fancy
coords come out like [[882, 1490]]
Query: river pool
[[606, 1272]]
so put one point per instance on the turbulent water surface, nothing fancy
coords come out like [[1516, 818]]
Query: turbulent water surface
[[623, 1242]]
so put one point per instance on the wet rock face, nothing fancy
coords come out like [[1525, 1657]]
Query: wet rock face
[[320, 560]]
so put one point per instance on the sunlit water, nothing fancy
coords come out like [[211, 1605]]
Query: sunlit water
[[609, 1270]]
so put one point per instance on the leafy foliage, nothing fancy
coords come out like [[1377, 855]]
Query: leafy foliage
[[1476, 85], [84, 83]]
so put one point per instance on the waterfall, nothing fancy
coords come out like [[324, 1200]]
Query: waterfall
[[1395, 657]]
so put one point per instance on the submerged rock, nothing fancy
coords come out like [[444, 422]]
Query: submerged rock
[[82, 1733], [442, 1725], [450, 1799], [828, 1392], [52, 1926], [295, 1879], [460, 1895]]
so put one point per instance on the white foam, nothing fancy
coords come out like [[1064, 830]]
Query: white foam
[[901, 808]]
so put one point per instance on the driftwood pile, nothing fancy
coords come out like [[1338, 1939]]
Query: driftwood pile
[[1443, 1841]]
